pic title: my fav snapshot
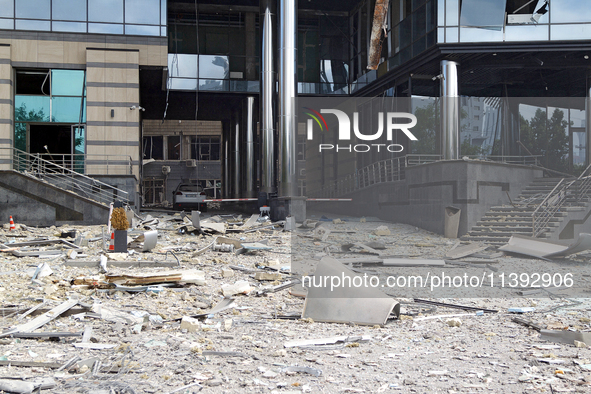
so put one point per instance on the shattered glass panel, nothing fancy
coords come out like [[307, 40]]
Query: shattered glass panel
[[486, 14]]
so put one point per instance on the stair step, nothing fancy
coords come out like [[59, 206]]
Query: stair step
[[514, 221]]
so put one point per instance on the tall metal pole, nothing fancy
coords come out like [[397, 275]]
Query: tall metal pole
[[267, 95], [236, 171], [248, 186], [450, 110], [287, 94]]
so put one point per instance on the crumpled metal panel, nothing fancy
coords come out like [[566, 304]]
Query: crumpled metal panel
[[346, 304]]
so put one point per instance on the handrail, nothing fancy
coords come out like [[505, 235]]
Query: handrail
[[35, 166], [557, 198]]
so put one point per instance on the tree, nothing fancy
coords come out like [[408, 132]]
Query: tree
[[426, 129], [547, 137]]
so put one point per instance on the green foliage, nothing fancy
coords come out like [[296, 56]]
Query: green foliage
[[547, 137], [467, 149], [426, 129]]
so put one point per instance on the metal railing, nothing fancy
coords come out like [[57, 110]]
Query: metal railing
[[91, 163], [574, 190], [388, 170], [62, 177], [524, 160], [391, 170]]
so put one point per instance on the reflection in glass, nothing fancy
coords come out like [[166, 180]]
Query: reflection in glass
[[182, 84], [526, 33], [67, 109], [7, 8], [564, 11], [7, 24], [32, 25], [142, 30], [213, 85], [474, 34], [67, 82], [451, 12], [212, 66], [69, 10], [105, 28], [142, 12], [334, 75], [20, 136], [451, 34], [182, 65], [33, 9], [105, 11], [31, 108], [487, 14], [570, 32], [78, 27]]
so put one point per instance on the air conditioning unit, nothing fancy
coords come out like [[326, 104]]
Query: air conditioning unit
[[166, 170], [191, 163]]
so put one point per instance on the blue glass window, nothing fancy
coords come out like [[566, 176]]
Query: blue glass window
[[105, 28], [211, 66], [78, 27], [67, 82], [105, 11], [22, 24], [145, 12], [142, 30], [33, 9], [488, 14], [68, 10], [564, 11], [31, 108], [7, 8], [67, 109]]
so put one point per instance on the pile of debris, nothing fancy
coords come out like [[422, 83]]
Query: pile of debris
[[230, 303]]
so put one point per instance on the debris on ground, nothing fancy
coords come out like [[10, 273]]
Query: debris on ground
[[226, 302]]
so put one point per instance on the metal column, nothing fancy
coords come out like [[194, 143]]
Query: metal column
[[267, 95], [450, 110], [235, 147], [287, 94], [226, 168], [249, 124]]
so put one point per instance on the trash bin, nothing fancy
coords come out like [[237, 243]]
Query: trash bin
[[452, 222]]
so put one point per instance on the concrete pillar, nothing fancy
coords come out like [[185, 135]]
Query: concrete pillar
[[287, 94], [7, 111], [248, 160], [268, 97], [450, 110]]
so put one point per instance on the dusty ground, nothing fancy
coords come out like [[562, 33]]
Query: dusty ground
[[488, 353]]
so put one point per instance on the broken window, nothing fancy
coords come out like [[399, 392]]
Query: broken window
[[205, 148], [485, 14], [153, 147], [520, 12], [174, 147]]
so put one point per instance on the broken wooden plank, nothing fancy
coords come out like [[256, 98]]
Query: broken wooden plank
[[186, 276]]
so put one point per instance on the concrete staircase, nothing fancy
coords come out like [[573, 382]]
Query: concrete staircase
[[499, 223]]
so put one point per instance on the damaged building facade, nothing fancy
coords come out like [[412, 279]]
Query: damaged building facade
[[144, 95]]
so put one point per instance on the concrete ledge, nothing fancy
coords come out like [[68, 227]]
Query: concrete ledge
[[35, 203], [420, 199]]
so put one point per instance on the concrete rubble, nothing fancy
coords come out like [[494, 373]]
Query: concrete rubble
[[217, 303]]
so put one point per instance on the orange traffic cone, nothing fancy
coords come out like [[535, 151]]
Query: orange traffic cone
[[112, 244], [12, 226]]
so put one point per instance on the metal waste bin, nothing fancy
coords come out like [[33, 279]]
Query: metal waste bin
[[452, 222]]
